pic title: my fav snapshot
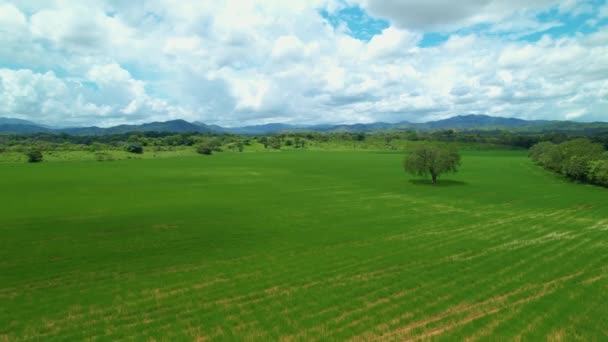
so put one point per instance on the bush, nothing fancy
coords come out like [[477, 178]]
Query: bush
[[34, 156], [204, 149], [209, 145], [275, 143], [134, 148]]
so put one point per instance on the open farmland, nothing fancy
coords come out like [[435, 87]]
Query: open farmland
[[300, 246]]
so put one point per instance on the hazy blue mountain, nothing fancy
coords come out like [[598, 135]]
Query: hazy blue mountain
[[357, 128], [263, 129], [92, 130], [461, 122], [23, 128], [13, 121], [212, 128], [177, 126], [13, 125], [477, 120]]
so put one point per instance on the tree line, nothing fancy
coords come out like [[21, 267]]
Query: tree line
[[208, 143], [49, 141], [581, 160]]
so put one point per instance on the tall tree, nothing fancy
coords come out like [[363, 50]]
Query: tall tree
[[432, 160]]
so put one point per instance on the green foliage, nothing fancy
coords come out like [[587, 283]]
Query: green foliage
[[209, 145], [275, 143], [204, 149], [578, 159], [136, 148], [376, 141], [432, 159], [264, 141], [34, 156], [598, 172], [359, 136], [215, 144], [548, 154]]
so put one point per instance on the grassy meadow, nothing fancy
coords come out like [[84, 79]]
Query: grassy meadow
[[300, 245]]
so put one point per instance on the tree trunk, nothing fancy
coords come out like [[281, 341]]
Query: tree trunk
[[434, 176]]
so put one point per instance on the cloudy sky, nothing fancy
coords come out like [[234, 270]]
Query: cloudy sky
[[238, 62]]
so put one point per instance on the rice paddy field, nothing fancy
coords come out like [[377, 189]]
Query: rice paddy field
[[295, 246]]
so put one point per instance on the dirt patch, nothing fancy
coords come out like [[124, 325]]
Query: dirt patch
[[593, 280], [557, 336]]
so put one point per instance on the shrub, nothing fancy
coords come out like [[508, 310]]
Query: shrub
[[204, 149], [275, 143], [134, 148], [34, 156]]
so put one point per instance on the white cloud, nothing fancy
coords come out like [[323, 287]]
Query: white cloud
[[11, 17], [392, 43], [243, 61], [44, 97], [79, 27]]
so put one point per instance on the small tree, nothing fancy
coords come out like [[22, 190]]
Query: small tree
[[134, 148], [432, 159], [34, 156], [264, 141], [275, 143], [204, 149]]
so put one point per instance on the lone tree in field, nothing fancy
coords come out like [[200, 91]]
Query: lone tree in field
[[432, 159], [34, 156], [134, 148]]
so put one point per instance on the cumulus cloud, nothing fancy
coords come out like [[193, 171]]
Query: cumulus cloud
[[240, 62]]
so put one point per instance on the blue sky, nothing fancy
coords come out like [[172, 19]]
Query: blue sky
[[235, 62], [359, 24], [356, 22]]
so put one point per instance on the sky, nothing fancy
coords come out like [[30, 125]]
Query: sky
[[244, 62]]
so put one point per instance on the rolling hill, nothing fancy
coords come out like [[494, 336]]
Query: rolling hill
[[460, 122]]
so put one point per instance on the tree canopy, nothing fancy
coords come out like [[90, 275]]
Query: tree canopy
[[432, 160], [580, 159], [34, 156]]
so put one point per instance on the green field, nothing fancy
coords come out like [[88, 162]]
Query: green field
[[300, 245]]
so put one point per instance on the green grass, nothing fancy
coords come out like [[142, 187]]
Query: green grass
[[301, 245]]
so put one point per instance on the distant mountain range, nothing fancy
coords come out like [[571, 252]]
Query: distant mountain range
[[462, 122]]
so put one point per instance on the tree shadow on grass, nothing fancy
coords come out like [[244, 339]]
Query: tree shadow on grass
[[440, 182]]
